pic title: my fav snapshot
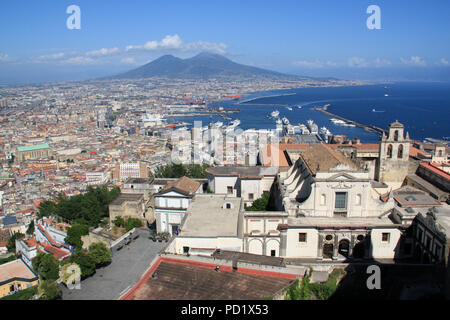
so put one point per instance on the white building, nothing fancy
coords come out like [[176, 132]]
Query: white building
[[247, 183], [212, 222], [172, 202], [97, 177]]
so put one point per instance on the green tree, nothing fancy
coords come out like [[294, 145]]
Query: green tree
[[133, 223], [174, 170], [99, 253], [75, 233], [46, 266], [30, 229], [49, 290], [47, 208], [260, 204], [11, 245], [119, 222], [85, 261]]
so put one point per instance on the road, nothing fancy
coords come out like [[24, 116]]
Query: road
[[125, 270]]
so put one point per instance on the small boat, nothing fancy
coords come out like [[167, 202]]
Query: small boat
[[275, 114], [386, 95], [289, 108]]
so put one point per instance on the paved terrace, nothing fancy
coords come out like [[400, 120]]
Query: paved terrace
[[174, 279], [127, 267]]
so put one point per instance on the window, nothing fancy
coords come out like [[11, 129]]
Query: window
[[400, 151], [228, 205], [329, 237], [341, 200], [396, 135], [389, 151], [358, 199], [323, 200], [419, 234], [185, 250], [302, 237], [272, 253], [385, 237], [250, 196], [230, 190]]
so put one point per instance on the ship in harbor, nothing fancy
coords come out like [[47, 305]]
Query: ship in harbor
[[274, 114]]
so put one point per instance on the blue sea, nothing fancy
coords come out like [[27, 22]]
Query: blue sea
[[424, 108]]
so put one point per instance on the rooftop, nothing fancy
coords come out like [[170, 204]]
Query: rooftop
[[243, 172], [322, 158], [187, 280], [206, 217], [123, 197], [339, 222], [15, 269], [33, 147], [410, 197], [184, 184], [249, 258]]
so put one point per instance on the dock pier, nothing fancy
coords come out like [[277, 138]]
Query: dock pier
[[366, 127]]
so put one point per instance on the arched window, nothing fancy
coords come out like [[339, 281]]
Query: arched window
[[389, 151], [400, 151], [396, 135]]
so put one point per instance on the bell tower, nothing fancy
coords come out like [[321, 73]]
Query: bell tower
[[394, 155]]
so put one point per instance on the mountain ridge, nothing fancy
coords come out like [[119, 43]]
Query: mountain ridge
[[204, 65]]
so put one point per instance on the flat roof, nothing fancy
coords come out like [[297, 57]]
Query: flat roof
[[248, 258], [187, 280], [243, 171], [33, 147], [123, 197], [331, 222], [411, 197], [207, 218], [16, 269]]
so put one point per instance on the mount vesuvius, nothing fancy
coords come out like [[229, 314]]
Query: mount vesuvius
[[204, 65]]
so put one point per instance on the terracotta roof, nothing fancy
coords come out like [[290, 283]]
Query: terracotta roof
[[56, 252], [183, 184], [272, 151], [413, 152], [438, 171], [323, 158]]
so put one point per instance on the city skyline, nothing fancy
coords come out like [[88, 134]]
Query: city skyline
[[300, 38]]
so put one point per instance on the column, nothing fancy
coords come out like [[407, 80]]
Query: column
[[283, 242], [352, 244], [335, 247], [320, 247]]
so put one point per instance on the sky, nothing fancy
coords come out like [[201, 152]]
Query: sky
[[303, 37]]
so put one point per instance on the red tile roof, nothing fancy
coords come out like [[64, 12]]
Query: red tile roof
[[438, 171]]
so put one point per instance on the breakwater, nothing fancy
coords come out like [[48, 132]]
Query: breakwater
[[370, 128]]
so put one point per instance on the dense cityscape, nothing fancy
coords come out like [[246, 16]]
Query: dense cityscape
[[150, 183]]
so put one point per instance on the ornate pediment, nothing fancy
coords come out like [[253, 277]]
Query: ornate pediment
[[341, 177]]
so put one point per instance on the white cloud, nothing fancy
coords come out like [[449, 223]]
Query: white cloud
[[103, 52], [357, 62], [309, 64], [129, 60], [6, 58], [52, 57], [382, 63], [444, 62], [314, 64], [79, 60], [414, 61], [174, 42]]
